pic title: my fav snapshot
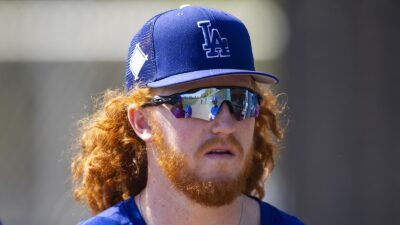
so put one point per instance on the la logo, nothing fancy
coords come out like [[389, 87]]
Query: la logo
[[214, 45]]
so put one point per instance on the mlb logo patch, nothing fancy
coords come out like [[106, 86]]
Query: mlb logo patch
[[137, 61]]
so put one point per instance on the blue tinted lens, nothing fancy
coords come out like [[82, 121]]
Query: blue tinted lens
[[205, 103]]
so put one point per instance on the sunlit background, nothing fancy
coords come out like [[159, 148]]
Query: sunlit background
[[337, 61]]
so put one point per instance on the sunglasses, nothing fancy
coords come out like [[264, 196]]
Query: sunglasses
[[204, 103]]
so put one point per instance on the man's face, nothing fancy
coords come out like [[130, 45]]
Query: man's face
[[208, 161]]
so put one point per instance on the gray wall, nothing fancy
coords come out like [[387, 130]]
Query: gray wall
[[343, 143], [40, 105]]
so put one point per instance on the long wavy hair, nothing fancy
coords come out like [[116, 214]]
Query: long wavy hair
[[111, 164]]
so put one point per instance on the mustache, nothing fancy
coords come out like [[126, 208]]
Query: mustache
[[230, 141]]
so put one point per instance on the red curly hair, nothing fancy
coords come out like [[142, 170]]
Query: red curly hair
[[112, 163]]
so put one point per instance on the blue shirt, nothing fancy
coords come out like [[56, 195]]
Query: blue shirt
[[127, 213], [213, 112]]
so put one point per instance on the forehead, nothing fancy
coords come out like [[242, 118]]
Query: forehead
[[239, 81]]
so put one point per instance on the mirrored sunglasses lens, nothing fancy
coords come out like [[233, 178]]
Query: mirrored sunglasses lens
[[205, 103]]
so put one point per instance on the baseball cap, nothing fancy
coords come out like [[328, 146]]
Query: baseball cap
[[214, 99], [188, 44]]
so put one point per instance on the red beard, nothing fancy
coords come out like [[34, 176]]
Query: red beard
[[208, 192]]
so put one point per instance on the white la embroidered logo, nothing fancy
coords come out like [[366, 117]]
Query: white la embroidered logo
[[137, 61], [214, 45]]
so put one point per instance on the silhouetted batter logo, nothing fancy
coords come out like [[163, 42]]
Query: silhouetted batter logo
[[214, 45]]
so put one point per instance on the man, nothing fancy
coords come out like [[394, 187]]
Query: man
[[141, 164], [214, 108]]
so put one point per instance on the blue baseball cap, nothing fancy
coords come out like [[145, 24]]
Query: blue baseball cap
[[188, 44]]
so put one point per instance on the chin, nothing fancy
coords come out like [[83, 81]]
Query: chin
[[219, 175]]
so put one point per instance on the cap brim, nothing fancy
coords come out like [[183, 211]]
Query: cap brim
[[202, 74]]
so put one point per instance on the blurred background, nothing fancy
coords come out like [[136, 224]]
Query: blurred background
[[338, 62]]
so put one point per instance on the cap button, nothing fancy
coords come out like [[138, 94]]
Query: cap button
[[183, 6]]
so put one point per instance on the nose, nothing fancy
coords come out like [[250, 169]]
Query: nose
[[224, 122]]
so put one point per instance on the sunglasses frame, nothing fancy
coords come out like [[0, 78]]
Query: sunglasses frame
[[174, 98]]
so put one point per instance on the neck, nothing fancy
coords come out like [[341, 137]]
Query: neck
[[168, 210]]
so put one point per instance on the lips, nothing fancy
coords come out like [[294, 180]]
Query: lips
[[220, 152], [217, 147]]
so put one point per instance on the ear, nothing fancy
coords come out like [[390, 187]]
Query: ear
[[139, 123]]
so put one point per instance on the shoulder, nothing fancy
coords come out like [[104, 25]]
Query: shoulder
[[123, 213], [273, 215]]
